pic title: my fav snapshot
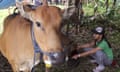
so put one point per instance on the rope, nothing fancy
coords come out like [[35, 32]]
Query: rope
[[37, 49]]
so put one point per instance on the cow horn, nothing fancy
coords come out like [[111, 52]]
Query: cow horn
[[45, 2], [29, 7]]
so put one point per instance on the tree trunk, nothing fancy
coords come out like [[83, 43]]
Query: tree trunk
[[114, 3], [107, 4]]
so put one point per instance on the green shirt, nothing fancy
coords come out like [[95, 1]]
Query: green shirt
[[105, 48]]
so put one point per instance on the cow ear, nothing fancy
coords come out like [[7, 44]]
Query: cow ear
[[28, 8], [28, 12]]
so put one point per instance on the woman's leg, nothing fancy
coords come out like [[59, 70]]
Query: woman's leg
[[101, 59], [92, 55]]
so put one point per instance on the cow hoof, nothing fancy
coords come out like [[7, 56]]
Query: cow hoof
[[33, 69]]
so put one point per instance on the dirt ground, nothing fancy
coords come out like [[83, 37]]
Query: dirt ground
[[81, 65]]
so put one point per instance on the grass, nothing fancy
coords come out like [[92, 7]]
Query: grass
[[84, 65], [3, 14]]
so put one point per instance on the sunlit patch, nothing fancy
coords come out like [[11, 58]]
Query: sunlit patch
[[48, 63]]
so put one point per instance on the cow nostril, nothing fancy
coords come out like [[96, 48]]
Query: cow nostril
[[57, 58], [56, 55]]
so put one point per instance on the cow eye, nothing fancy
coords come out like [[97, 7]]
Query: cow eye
[[38, 24]]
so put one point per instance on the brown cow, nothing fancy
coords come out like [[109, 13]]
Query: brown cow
[[16, 42]]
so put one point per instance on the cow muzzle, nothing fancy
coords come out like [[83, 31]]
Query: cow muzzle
[[55, 59]]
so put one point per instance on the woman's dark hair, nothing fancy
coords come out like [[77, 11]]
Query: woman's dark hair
[[103, 37]]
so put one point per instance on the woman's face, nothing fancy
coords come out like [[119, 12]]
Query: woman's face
[[96, 36]]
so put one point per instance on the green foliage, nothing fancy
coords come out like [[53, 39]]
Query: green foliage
[[110, 20]]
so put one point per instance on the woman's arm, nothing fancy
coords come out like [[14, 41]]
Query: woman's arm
[[88, 45], [86, 53], [90, 52]]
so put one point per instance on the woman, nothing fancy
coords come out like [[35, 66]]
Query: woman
[[100, 50]]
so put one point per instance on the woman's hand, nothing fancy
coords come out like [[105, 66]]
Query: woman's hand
[[78, 47], [76, 56]]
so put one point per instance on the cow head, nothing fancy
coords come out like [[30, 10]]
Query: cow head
[[46, 26]]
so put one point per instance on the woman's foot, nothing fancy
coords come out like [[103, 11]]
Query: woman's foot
[[93, 61], [99, 68]]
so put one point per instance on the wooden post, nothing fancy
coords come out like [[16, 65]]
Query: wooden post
[[114, 3], [107, 5]]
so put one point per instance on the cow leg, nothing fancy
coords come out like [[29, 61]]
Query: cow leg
[[47, 69], [20, 67], [14, 66]]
